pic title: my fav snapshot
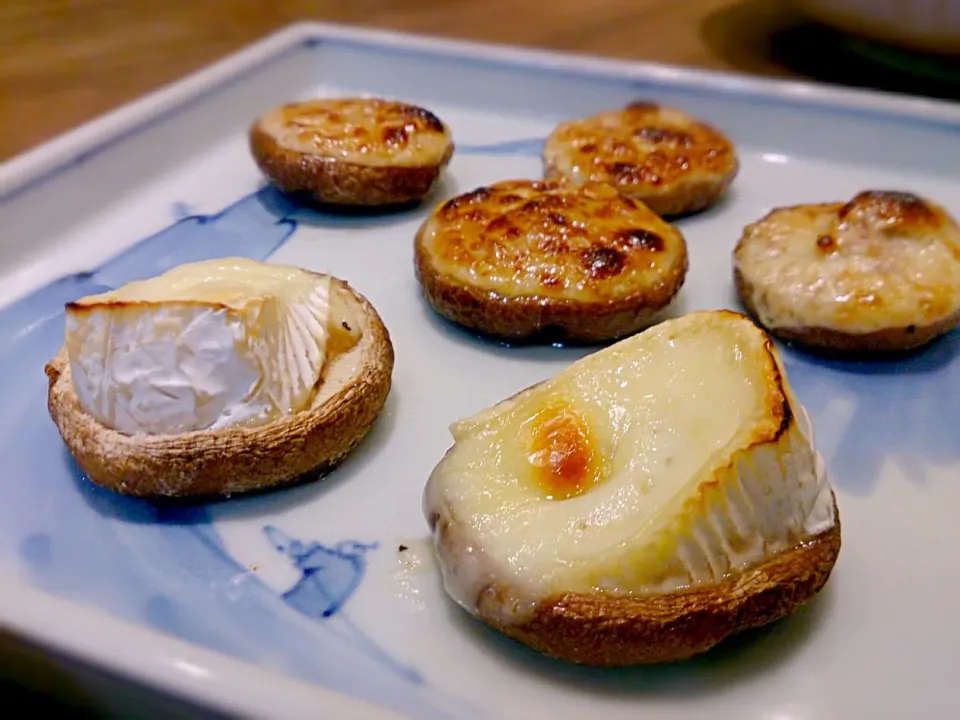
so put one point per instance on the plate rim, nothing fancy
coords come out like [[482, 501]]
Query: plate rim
[[210, 678], [38, 163], [179, 668]]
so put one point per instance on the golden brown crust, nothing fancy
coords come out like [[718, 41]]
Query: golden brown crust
[[528, 260], [372, 152], [617, 631], [236, 460], [877, 275], [663, 157]]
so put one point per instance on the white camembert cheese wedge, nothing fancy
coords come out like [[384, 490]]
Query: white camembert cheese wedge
[[669, 460], [206, 345]]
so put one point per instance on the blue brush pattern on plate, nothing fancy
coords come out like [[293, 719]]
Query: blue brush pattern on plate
[[905, 409], [165, 565], [525, 147], [328, 576]]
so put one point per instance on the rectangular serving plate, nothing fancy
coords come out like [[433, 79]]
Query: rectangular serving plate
[[69, 207]]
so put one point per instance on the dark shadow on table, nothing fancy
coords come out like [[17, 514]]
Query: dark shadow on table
[[765, 37]]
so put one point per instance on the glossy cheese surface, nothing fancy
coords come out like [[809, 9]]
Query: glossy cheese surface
[[642, 147], [553, 240], [883, 259], [204, 346], [678, 457], [365, 131]]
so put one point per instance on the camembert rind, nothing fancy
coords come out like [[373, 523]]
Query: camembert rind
[[206, 345], [356, 383], [761, 491]]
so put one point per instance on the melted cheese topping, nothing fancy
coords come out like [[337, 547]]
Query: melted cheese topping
[[552, 240], [365, 131], [641, 149], [882, 260], [690, 467], [206, 345]]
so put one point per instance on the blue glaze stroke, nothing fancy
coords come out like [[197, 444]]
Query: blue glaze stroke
[[165, 566], [907, 410], [525, 147], [328, 576]]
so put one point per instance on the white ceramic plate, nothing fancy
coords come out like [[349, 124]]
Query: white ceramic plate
[[199, 600]]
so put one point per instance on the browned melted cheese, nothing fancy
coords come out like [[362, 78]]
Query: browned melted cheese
[[641, 146], [552, 240], [367, 130], [883, 259], [887, 213], [562, 452]]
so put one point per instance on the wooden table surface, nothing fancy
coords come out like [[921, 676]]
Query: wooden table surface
[[63, 62]]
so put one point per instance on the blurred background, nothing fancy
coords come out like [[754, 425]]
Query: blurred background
[[65, 62]]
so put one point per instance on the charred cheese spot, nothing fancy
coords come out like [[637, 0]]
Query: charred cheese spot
[[396, 135], [666, 136], [562, 452], [642, 106], [422, 117], [888, 212], [453, 207], [624, 170], [639, 238], [553, 240], [826, 243], [475, 196], [604, 262]]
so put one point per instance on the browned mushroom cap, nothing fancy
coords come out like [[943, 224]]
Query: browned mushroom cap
[[524, 259], [671, 161], [877, 274], [352, 151]]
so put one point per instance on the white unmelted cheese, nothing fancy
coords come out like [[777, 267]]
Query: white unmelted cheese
[[205, 345], [687, 495]]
